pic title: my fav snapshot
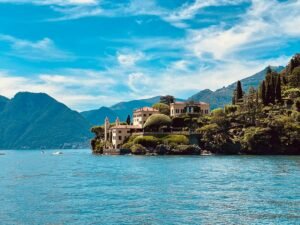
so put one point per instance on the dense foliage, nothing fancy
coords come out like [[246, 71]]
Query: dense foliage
[[265, 120], [35, 120], [162, 108], [157, 121]]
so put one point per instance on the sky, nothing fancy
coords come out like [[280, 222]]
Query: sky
[[92, 53]]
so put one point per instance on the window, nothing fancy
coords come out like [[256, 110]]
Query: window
[[145, 115], [177, 110], [120, 138], [150, 114], [120, 131]]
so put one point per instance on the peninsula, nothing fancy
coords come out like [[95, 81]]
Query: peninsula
[[265, 120]]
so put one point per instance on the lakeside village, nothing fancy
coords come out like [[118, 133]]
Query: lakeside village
[[265, 120]]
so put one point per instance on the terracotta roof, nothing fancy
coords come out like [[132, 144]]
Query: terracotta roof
[[126, 127], [150, 109]]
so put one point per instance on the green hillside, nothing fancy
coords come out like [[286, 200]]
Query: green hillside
[[223, 96], [38, 121]]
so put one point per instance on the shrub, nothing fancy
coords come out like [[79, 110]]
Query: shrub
[[146, 141], [176, 139], [156, 121], [127, 145], [210, 128], [231, 109], [98, 131], [296, 116], [258, 140], [178, 122], [138, 149], [162, 108], [218, 112], [292, 93], [296, 105], [185, 150]]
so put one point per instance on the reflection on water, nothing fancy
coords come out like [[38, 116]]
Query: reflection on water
[[80, 188]]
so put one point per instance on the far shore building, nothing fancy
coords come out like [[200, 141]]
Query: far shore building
[[180, 108]]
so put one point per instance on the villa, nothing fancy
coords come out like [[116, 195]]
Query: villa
[[141, 115], [180, 108], [119, 133]]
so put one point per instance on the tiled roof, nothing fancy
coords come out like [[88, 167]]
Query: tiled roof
[[150, 109]]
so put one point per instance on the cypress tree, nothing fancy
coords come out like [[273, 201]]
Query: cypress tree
[[273, 87], [239, 91], [262, 93], [128, 120], [269, 70], [278, 89], [234, 97]]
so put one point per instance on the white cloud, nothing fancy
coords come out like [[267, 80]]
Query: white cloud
[[129, 59], [189, 11], [139, 82], [42, 50], [266, 25], [79, 89], [51, 2]]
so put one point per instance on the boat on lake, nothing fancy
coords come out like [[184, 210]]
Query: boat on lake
[[57, 153]]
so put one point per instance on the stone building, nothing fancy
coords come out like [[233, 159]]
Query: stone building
[[141, 115], [180, 108]]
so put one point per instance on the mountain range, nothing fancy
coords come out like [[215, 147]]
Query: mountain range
[[216, 99], [36, 120], [223, 96]]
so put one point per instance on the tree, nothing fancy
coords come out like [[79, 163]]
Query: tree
[[156, 121], [269, 70], [239, 91], [278, 89], [162, 108], [262, 92], [294, 78], [128, 120], [270, 90], [234, 97], [168, 99]]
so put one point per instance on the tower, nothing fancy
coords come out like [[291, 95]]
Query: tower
[[106, 128], [117, 121]]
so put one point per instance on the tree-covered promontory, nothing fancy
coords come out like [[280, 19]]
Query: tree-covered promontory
[[265, 120]]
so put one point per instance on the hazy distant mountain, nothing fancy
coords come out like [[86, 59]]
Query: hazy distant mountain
[[223, 96], [3, 101], [97, 116], [121, 110], [218, 98], [38, 121]]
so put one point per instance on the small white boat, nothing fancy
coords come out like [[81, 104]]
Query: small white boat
[[57, 153]]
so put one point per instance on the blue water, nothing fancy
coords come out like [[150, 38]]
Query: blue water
[[80, 188]]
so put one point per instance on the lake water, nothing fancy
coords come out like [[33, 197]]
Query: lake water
[[80, 188]]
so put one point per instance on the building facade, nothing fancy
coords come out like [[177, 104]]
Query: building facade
[[118, 134], [180, 108], [141, 115]]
